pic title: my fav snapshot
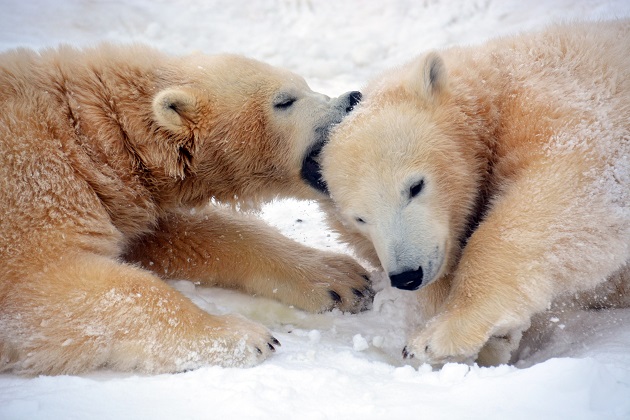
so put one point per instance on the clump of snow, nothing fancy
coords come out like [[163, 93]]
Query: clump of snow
[[359, 343], [330, 365]]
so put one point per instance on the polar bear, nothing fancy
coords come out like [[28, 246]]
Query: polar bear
[[109, 160], [496, 180]]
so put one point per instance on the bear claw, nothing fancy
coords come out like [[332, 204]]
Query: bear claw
[[406, 354], [335, 296]]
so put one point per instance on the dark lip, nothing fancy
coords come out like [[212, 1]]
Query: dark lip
[[311, 169]]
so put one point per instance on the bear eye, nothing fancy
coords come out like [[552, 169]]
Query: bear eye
[[284, 103], [416, 189], [359, 220]]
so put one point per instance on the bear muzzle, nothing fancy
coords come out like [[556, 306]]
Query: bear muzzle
[[310, 171], [354, 98]]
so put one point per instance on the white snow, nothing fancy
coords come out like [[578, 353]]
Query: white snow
[[333, 365]]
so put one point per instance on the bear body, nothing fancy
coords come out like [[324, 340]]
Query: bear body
[[109, 159], [495, 179]]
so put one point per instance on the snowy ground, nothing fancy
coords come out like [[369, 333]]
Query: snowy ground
[[330, 366]]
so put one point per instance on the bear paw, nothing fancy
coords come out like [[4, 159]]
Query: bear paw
[[443, 340], [227, 341], [465, 338], [339, 282]]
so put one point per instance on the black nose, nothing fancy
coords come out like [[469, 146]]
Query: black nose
[[407, 280], [354, 98]]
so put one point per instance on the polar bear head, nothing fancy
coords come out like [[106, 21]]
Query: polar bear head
[[242, 130], [398, 176]]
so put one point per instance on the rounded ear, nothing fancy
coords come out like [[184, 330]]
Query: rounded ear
[[429, 76], [175, 108]]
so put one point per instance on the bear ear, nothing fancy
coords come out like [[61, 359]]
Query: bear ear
[[430, 76], [175, 109]]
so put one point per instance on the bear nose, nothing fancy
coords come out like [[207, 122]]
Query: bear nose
[[407, 280], [353, 98]]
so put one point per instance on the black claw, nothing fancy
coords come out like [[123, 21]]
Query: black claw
[[406, 354], [259, 351], [275, 341], [335, 296], [366, 277], [358, 293], [272, 348]]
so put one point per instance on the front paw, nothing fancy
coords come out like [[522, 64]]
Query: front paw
[[446, 339], [340, 282], [234, 341]]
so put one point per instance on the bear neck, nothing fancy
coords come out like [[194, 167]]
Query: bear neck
[[105, 94], [478, 115]]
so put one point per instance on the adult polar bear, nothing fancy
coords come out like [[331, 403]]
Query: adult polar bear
[[100, 150], [497, 178]]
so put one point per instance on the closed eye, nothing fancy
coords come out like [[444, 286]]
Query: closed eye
[[416, 189], [359, 220], [284, 103]]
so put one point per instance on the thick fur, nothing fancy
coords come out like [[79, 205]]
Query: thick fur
[[500, 176], [109, 158]]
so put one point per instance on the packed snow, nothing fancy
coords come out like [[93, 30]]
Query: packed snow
[[333, 365]]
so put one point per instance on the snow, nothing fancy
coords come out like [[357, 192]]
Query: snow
[[575, 365]]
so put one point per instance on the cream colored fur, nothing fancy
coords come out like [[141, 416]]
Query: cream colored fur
[[109, 158], [523, 148]]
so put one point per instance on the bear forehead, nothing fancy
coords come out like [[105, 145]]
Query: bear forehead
[[379, 151], [231, 70], [382, 138]]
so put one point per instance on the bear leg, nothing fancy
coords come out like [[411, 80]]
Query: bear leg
[[529, 250], [223, 248], [91, 311]]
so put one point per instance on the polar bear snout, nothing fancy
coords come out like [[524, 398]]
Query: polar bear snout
[[310, 171], [354, 98], [407, 280]]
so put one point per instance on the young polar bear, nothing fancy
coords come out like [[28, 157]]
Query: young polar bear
[[496, 180], [103, 154]]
